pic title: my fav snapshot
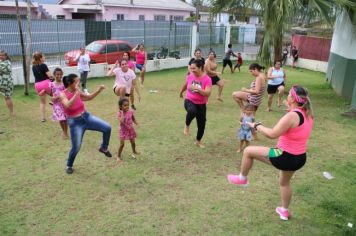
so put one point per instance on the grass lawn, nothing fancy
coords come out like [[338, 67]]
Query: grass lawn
[[173, 188]]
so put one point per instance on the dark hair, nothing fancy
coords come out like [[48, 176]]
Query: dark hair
[[69, 79], [212, 51], [122, 101], [6, 56], [257, 66], [277, 61], [199, 63], [303, 93], [197, 50], [229, 45], [122, 61], [128, 53], [57, 70]]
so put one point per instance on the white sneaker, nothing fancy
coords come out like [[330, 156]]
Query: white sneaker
[[86, 92]]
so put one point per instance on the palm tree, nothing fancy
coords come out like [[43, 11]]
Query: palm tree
[[278, 15]]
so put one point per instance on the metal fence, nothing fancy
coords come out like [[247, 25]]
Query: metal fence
[[55, 37]]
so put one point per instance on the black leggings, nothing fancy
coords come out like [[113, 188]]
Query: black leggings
[[197, 111]]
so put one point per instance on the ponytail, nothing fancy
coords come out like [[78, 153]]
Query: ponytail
[[69, 79], [257, 66], [304, 100]]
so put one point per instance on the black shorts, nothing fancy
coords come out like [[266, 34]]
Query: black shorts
[[272, 89], [215, 79], [126, 94], [227, 62], [283, 160], [295, 59]]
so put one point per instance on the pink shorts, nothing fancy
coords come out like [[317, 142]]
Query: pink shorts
[[43, 85]]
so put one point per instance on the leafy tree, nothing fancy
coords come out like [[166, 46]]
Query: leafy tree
[[278, 16]]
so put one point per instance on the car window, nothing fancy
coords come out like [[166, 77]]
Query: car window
[[94, 47], [111, 48], [124, 47]]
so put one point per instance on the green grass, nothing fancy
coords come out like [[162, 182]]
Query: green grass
[[173, 188]]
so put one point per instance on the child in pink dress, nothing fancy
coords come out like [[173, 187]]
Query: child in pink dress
[[58, 112], [127, 131]]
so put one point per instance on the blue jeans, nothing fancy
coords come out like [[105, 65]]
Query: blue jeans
[[79, 125]]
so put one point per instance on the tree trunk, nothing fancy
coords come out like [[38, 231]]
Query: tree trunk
[[28, 48], [22, 43], [277, 47]]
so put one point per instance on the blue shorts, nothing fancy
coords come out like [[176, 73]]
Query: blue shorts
[[140, 66], [245, 135]]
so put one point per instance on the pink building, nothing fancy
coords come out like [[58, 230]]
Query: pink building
[[159, 10]]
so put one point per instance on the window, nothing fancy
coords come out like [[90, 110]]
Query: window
[[111, 48], [178, 18], [124, 47], [141, 17], [159, 17], [61, 17], [120, 17]]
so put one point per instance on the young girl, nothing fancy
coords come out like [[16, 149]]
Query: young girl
[[127, 131], [58, 112], [245, 132]]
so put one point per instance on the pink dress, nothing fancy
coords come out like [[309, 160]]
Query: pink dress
[[127, 130], [57, 107]]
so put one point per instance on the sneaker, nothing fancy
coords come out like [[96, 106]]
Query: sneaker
[[69, 170], [235, 179], [106, 153], [283, 214], [133, 107], [86, 92]]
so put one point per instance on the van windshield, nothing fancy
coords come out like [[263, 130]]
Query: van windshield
[[94, 47]]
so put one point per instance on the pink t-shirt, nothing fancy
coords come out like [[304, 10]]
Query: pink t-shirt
[[76, 108], [203, 82], [131, 65], [124, 78], [295, 139], [140, 57]]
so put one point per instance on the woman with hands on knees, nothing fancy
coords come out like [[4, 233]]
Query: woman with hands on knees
[[198, 87], [79, 120], [293, 131], [254, 94]]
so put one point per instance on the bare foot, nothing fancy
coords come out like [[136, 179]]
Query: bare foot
[[238, 150], [65, 136], [119, 160], [219, 99], [199, 144], [186, 130]]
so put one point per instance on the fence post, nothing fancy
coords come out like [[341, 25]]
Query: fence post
[[193, 43], [227, 35]]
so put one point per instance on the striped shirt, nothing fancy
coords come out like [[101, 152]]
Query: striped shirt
[[255, 99]]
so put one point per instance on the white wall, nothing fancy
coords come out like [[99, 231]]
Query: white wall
[[99, 70]]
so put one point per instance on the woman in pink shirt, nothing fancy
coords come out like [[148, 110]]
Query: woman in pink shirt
[[141, 60], [79, 120], [293, 131], [198, 87]]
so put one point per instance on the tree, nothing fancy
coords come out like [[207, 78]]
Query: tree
[[278, 15], [28, 48], [24, 67]]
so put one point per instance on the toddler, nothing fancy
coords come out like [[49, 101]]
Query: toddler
[[245, 132], [127, 132]]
